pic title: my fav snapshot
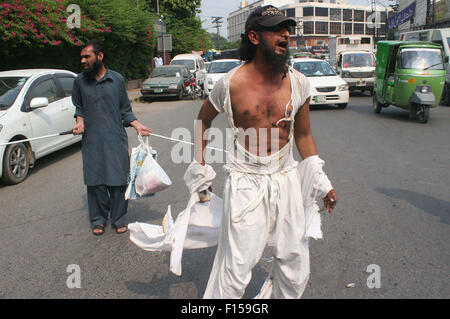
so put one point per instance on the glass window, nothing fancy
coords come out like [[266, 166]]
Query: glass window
[[358, 60], [223, 67], [308, 11], [9, 89], [290, 13], [348, 15], [335, 28], [321, 12], [359, 15], [46, 89], [348, 28], [358, 28], [189, 63], [423, 59], [321, 27], [308, 27], [314, 68], [67, 84], [335, 14], [164, 71]]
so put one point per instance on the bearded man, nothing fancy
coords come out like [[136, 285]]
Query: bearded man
[[102, 110], [263, 203]]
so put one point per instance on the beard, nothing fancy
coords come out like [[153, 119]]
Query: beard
[[276, 61], [93, 70]]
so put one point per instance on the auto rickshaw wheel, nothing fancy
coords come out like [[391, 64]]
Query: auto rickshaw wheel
[[419, 113], [376, 105]]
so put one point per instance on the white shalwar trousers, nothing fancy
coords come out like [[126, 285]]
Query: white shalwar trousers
[[261, 210]]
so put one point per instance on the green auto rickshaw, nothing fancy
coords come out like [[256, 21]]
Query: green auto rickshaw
[[410, 75]]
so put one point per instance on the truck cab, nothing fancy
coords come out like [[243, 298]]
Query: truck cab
[[354, 61]]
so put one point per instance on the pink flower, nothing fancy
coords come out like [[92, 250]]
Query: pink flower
[[45, 41], [13, 34], [24, 35], [5, 12]]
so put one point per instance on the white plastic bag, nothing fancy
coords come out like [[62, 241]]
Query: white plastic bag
[[151, 178], [137, 158]]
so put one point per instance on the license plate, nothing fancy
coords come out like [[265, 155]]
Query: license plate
[[158, 90], [361, 83], [321, 99]]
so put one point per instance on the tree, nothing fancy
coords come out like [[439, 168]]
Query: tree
[[35, 34]]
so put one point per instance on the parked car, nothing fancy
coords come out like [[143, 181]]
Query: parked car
[[166, 80], [33, 103], [326, 86], [217, 69], [195, 64]]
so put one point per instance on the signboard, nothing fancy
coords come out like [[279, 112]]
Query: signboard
[[403, 16], [442, 10], [160, 27], [164, 43]]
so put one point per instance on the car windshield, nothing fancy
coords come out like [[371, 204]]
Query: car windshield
[[223, 67], [166, 72], [358, 60], [429, 59], [314, 68], [9, 89], [189, 63]]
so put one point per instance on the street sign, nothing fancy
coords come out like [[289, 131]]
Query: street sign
[[164, 43], [160, 27]]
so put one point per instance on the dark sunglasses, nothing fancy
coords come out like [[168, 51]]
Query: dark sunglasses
[[277, 28]]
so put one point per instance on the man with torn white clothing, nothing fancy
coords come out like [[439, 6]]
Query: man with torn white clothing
[[263, 203]]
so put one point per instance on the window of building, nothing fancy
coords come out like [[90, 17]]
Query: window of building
[[358, 28], [308, 11], [290, 13], [321, 27], [308, 27], [348, 28], [335, 28], [335, 14], [348, 15], [359, 15], [321, 12], [369, 29]]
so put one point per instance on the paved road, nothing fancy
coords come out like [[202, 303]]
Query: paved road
[[392, 177]]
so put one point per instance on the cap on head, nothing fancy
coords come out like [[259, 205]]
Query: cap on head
[[266, 17]]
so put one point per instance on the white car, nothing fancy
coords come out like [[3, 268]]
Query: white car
[[326, 86], [217, 69], [33, 103]]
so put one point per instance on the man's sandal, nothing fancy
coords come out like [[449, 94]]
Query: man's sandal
[[121, 229], [98, 230]]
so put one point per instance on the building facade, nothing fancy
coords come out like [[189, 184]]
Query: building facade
[[318, 20]]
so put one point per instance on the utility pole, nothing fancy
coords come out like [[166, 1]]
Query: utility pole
[[217, 21]]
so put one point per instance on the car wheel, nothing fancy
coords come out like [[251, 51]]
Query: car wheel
[[376, 105], [15, 164], [342, 105]]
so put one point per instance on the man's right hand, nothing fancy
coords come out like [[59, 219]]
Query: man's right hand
[[78, 128]]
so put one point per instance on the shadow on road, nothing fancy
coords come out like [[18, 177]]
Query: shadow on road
[[430, 205]]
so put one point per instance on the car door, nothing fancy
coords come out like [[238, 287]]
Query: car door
[[45, 120], [65, 83]]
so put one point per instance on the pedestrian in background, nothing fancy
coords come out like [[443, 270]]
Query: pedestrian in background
[[158, 60], [102, 111]]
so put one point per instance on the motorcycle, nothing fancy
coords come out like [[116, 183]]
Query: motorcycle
[[192, 88]]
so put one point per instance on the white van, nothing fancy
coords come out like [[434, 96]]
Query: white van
[[441, 36], [195, 64]]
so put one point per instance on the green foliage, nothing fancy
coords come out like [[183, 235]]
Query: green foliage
[[34, 34], [183, 24]]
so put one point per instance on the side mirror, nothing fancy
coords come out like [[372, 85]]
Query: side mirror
[[38, 102]]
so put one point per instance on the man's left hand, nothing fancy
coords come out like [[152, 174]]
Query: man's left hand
[[330, 201]]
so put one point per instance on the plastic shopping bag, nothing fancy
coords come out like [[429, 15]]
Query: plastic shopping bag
[[137, 158], [151, 178]]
